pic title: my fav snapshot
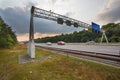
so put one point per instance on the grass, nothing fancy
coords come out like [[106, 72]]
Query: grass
[[57, 67]]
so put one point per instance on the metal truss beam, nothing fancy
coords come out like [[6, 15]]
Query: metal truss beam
[[41, 13]]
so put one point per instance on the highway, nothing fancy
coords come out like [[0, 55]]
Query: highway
[[112, 50], [104, 54]]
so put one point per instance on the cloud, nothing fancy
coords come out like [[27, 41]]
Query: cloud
[[19, 19], [110, 12], [69, 14], [25, 37], [55, 1]]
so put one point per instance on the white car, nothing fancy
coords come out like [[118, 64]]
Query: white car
[[49, 43]]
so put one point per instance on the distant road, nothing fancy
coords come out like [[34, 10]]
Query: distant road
[[113, 50]]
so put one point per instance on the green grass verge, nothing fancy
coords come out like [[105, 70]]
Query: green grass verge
[[57, 67]]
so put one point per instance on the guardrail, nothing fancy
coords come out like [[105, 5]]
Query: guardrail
[[102, 56]]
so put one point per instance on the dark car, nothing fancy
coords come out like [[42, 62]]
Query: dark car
[[61, 43]]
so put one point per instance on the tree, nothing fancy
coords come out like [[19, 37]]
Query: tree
[[112, 31], [7, 36]]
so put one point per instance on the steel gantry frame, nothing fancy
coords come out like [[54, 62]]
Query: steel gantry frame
[[41, 13]]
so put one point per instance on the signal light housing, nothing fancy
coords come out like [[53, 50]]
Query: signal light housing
[[76, 24], [60, 21], [68, 23]]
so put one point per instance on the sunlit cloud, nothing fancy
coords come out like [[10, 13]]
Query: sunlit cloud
[[25, 37]]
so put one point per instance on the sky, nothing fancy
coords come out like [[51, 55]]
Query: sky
[[16, 13]]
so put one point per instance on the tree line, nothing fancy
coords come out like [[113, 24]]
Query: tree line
[[7, 36], [112, 32]]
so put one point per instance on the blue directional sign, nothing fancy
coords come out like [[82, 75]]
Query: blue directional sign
[[95, 27]]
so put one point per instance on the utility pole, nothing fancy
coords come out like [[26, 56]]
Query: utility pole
[[31, 45]]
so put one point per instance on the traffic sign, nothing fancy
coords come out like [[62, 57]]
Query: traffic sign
[[95, 27]]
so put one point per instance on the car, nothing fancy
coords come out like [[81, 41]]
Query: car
[[90, 42], [61, 43], [49, 43]]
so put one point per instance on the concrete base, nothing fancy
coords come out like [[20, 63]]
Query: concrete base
[[31, 49], [26, 59]]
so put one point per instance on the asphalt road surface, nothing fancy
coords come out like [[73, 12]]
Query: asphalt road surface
[[114, 50]]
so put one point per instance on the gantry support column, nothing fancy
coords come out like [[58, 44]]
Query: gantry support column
[[31, 45]]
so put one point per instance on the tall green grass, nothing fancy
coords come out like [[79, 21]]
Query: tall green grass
[[56, 67]]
